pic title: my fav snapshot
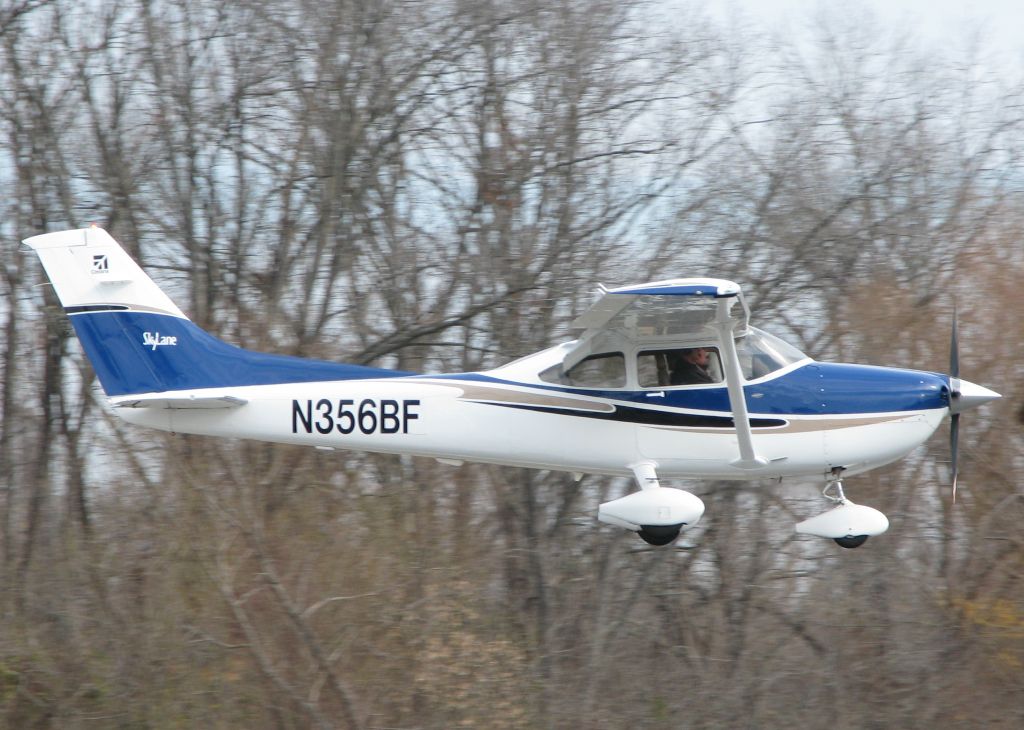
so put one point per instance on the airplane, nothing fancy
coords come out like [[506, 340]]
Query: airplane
[[666, 380]]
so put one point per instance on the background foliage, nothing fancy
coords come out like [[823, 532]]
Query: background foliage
[[439, 186]]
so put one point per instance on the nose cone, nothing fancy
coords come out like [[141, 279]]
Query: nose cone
[[967, 395]]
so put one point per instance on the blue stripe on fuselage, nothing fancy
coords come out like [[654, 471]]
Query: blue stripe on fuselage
[[143, 352], [814, 389]]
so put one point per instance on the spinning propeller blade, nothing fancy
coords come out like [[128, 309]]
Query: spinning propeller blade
[[954, 439], [963, 395], [954, 348], [954, 393]]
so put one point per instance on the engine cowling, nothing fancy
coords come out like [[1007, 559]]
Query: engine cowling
[[655, 506]]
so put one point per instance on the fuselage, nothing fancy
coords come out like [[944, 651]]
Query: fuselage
[[806, 419]]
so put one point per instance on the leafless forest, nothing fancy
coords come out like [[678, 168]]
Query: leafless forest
[[439, 186]]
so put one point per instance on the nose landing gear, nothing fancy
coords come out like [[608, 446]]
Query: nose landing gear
[[849, 524]]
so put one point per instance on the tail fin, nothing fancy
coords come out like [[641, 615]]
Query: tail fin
[[137, 339]]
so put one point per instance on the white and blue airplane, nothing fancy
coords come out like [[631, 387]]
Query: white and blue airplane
[[666, 380]]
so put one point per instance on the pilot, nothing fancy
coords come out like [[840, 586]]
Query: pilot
[[691, 366]]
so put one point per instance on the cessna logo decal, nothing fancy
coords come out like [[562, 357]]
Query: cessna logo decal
[[155, 340]]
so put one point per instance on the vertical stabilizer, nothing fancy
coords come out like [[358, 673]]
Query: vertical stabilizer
[[137, 339]]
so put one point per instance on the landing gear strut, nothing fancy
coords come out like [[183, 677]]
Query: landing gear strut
[[835, 484]]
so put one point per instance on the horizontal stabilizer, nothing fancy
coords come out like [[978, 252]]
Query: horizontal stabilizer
[[163, 402]]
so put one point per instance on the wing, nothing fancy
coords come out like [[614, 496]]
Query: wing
[[681, 312]]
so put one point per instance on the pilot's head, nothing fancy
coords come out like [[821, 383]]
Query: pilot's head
[[695, 355]]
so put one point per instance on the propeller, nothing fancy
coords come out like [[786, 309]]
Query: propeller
[[954, 394], [963, 395]]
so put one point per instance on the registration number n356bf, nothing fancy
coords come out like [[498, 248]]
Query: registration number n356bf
[[346, 415]]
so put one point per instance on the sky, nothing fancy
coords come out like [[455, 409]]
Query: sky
[[942, 23]]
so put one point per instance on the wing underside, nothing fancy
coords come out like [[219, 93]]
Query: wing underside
[[165, 402]]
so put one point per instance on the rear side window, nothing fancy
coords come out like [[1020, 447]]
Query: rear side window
[[607, 370]]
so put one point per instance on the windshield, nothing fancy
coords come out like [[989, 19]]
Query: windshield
[[761, 353]]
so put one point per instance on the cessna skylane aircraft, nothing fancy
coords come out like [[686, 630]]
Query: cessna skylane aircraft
[[666, 380]]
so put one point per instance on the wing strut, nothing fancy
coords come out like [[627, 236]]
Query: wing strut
[[734, 382]]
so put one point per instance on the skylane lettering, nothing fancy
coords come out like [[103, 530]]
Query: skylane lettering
[[346, 416]]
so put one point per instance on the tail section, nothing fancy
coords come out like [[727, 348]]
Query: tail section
[[139, 341]]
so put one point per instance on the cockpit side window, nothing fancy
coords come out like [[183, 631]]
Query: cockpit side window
[[678, 366], [606, 370]]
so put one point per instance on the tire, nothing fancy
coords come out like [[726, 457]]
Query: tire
[[659, 534], [851, 541]]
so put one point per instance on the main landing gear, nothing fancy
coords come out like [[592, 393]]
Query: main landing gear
[[655, 513], [849, 524]]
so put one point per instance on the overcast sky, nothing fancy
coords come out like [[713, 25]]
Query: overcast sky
[[938, 23]]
